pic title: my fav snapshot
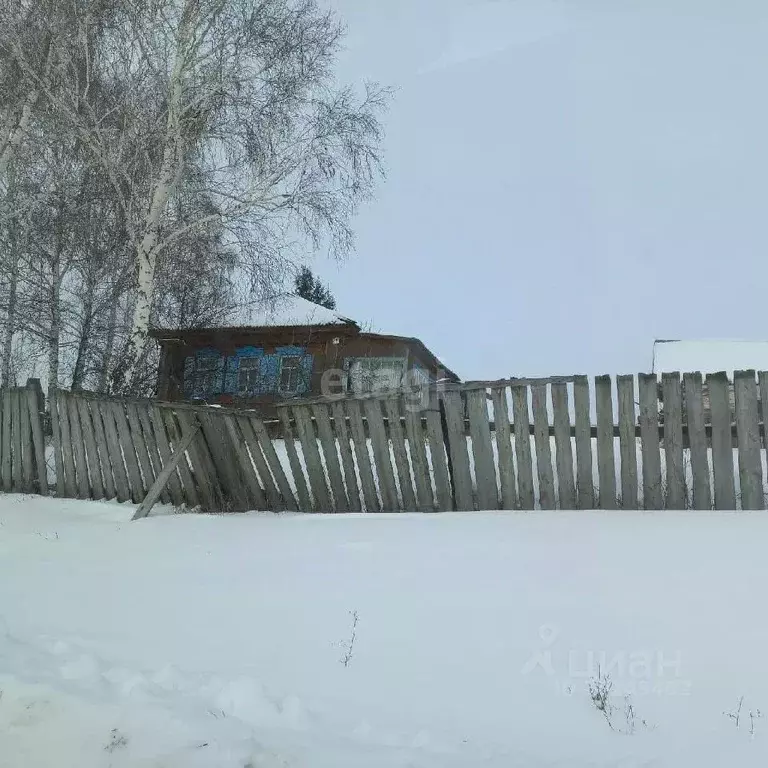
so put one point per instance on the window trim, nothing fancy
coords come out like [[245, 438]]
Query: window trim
[[296, 369], [254, 367]]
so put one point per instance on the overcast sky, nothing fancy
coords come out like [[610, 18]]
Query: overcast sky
[[568, 179]]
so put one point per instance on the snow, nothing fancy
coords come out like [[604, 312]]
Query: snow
[[710, 356], [283, 310], [217, 641]]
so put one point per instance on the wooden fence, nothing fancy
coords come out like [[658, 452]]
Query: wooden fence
[[114, 448], [22, 441], [564, 442], [567, 442]]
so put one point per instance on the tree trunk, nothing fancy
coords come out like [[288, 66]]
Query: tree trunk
[[10, 321], [170, 169], [83, 345], [14, 135], [55, 330], [106, 361], [53, 342], [12, 270]]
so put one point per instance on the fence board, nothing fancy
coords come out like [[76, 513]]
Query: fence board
[[606, 459], [17, 480], [221, 447], [457, 444], [762, 378], [347, 458], [122, 487], [288, 501], [320, 493], [381, 456], [482, 449], [27, 453], [673, 440], [237, 426], [2, 435], [392, 409], [302, 492], [748, 432], [331, 453], [203, 470], [140, 441], [625, 388], [522, 427], [763, 381], [33, 403], [649, 433], [504, 449], [129, 452], [188, 484], [273, 498], [438, 459], [722, 441], [585, 487], [6, 470], [92, 454], [543, 450], [102, 447], [697, 440], [418, 449], [145, 419], [70, 487], [78, 447], [563, 450], [362, 455], [173, 483]]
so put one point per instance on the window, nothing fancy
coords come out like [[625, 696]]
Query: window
[[248, 374], [202, 375], [290, 373], [375, 374]]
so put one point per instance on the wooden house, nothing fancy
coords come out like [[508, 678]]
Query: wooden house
[[287, 348]]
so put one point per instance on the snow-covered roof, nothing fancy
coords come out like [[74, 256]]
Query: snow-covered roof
[[283, 310], [709, 356]]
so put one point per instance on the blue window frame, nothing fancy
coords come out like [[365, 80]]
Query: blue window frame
[[295, 372], [244, 371], [250, 372]]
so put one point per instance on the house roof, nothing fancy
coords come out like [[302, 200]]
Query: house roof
[[709, 356], [283, 311]]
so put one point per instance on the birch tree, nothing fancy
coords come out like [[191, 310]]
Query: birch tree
[[246, 95], [206, 147]]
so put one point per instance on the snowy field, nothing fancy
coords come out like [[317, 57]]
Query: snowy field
[[227, 642]]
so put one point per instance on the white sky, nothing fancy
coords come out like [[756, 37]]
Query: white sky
[[568, 179]]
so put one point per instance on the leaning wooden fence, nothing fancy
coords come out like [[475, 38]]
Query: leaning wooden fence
[[113, 448], [567, 442]]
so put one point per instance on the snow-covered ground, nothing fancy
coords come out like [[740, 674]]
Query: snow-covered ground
[[220, 641]]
